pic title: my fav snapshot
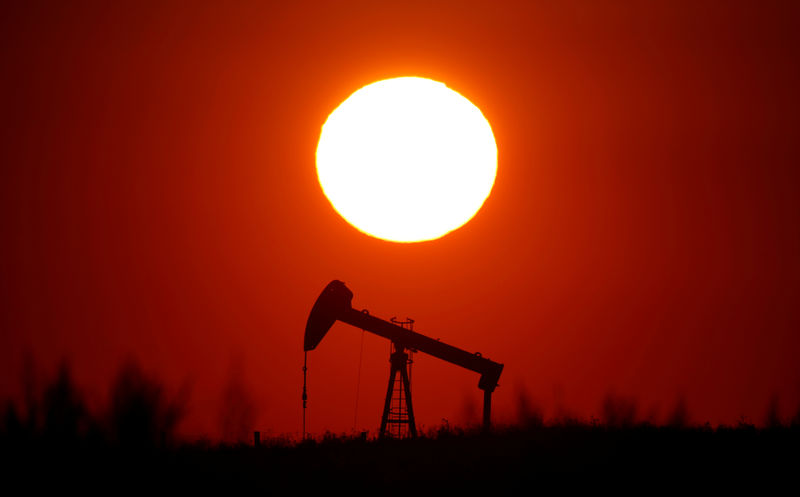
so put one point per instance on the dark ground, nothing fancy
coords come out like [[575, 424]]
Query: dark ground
[[449, 460], [54, 443]]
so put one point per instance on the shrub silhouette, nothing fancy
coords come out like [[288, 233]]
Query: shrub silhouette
[[237, 410], [140, 415], [679, 417], [66, 419], [13, 429], [619, 412], [772, 417], [141, 419], [529, 414]]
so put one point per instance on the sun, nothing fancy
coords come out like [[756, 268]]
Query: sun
[[406, 159]]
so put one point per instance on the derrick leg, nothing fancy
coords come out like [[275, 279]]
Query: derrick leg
[[388, 403], [412, 426]]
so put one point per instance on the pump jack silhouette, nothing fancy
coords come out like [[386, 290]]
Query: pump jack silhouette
[[334, 303]]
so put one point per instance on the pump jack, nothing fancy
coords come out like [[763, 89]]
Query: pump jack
[[334, 303]]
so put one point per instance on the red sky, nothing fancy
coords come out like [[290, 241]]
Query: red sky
[[159, 201]]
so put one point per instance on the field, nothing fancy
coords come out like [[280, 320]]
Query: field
[[448, 459], [55, 443]]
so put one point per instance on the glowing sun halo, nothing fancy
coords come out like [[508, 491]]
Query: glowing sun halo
[[406, 159]]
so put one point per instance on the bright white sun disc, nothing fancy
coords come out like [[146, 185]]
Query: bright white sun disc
[[406, 159]]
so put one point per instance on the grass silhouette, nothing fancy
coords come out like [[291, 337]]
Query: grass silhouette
[[57, 442]]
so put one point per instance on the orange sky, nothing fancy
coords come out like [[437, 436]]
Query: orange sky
[[158, 200]]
